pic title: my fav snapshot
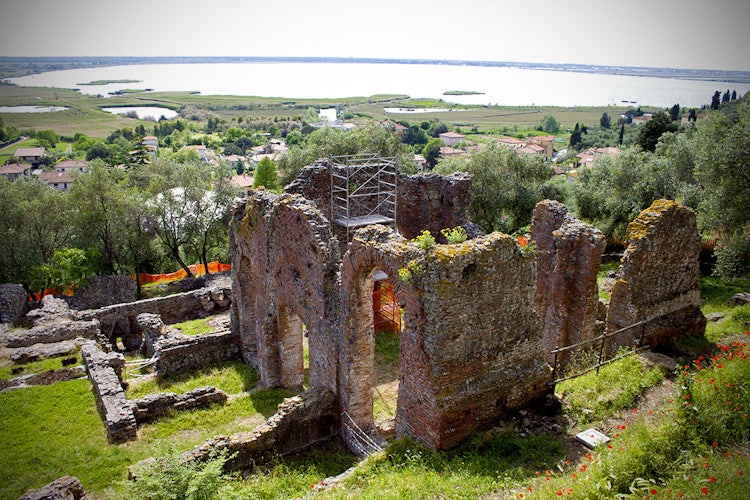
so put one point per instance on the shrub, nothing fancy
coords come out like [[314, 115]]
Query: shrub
[[425, 240], [169, 476], [454, 235]]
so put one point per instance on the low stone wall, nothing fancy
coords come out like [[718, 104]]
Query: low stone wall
[[658, 277], [35, 352], [120, 320], [50, 333], [157, 405], [184, 353], [300, 422], [105, 371]]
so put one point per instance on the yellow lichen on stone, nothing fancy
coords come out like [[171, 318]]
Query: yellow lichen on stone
[[639, 228]]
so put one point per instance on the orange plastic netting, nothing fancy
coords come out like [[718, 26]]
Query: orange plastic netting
[[196, 269]]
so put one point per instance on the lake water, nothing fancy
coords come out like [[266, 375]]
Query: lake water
[[504, 86], [31, 109], [144, 112]]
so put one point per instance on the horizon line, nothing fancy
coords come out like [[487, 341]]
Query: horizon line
[[387, 60]]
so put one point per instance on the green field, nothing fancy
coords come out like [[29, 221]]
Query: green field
[[85, 114]]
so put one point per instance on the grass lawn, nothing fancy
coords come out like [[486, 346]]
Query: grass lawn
[[50, 431]]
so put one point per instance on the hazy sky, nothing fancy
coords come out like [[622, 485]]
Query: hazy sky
[[709, 34]]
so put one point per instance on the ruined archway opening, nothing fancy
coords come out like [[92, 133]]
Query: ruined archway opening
[[387, 325]]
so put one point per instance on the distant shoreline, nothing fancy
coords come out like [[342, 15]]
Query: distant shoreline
[[17, 66]]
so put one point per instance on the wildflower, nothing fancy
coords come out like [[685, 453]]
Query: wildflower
[[653, 491], [559, 493], [574, 475], [635, 410], [520, 495], [714, 444], [704, 490], [712, 479]]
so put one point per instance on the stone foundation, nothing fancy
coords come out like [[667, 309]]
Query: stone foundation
[[301, 421], [50, 333], [658, 278], [120, 320], [157, 405], [183, 353], [105, 372]]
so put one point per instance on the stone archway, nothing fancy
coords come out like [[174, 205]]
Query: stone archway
[[357, 356], [293, 282]]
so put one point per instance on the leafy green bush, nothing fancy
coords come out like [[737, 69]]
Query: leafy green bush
[[169, 477]]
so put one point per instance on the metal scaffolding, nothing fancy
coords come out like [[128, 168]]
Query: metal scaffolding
[[363, 191]]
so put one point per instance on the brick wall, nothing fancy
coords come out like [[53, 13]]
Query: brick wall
[[658, 277], [568, 256]]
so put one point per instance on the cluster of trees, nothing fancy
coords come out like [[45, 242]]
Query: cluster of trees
[[113, 221], [8, 134], [706, 166]]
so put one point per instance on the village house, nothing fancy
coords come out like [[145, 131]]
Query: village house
[[451, 138], [447, 151], [13, 171], [544, 141], [542, 145], [588, 158], [57, 180], [71, 166], [30, 155], [637, 120], [511, 142]]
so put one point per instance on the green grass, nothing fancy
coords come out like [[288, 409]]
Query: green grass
[[716, 291], [194, 326], [50, 431], [6, 372], [594, 397], [387, 347], [232, 378]]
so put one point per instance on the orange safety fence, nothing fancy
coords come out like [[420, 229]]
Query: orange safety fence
[[386, 312], [145, 278], [196, 269]]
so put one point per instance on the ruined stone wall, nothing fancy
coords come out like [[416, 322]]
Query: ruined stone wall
[[105, 373], [12, 303], [471, 346], [299, 422], [432, 202], [425, 201], [568, 257], [287, 262], [120, 320], [101, 291], [185, 353], [658, 277], [158, 405]]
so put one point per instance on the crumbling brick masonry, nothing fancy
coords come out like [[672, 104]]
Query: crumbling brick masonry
[[568, 256], [658, 277]]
